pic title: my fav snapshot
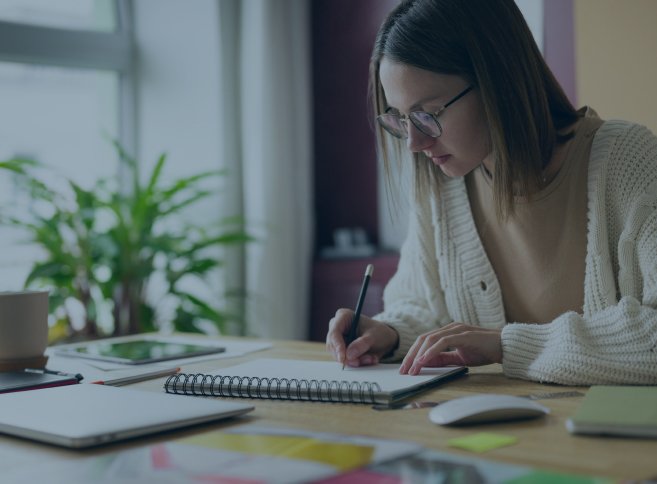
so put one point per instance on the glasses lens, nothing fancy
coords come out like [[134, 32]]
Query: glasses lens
[[426, 123], [393, 124]]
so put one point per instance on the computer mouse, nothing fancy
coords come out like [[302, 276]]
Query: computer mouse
[[485, 408]]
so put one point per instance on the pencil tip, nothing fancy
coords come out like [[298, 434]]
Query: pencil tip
[[369, 270]]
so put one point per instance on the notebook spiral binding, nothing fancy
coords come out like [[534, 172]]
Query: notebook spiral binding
[[272, 388]]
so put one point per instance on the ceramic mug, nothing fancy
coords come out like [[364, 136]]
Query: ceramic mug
[[23, 325]]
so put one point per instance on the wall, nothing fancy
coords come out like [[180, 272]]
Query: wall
[[343, 33], [558, 42], [615, 57]]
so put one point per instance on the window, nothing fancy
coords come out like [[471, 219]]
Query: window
[[65, 14], [66, 87]]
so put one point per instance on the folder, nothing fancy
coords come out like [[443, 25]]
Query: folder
[[617, 410]]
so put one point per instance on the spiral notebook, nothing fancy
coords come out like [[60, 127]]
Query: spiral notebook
[[322, 381]]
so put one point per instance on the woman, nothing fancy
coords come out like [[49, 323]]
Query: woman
[[533, 233]]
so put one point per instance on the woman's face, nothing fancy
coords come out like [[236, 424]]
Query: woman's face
[[464, 143]]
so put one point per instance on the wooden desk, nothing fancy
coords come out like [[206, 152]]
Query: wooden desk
[[543, 443]]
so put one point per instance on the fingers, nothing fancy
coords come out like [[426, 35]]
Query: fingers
[[444, 358], [438, 354], [408, 360], [472, 346], [338, 327], [424, 341], [375, 340], [358, 349], [364, 360]]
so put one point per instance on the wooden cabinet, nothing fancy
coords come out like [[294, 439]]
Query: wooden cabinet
[[336, 284], [345, 185]]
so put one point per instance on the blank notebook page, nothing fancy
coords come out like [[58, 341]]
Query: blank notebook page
[[386, 375]]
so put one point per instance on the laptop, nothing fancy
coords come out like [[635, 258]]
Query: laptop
[[86, 415]]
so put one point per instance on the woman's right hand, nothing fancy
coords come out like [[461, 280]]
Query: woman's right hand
[[375, 339]]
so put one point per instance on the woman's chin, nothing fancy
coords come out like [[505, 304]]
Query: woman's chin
[[452, 168]]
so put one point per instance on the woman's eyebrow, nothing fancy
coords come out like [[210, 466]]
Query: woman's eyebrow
[[425, 100], [415, 106]]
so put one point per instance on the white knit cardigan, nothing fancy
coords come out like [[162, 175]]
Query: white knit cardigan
[[444, 275]]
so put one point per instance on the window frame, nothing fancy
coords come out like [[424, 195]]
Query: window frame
[[113, 51]]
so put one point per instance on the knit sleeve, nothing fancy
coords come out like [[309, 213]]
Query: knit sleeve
[[615, 346], [617, 342], [413, 299]]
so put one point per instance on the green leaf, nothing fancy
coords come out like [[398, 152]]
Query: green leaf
[[184, 322], [189, 182], [109, 242], [177, 207], [18, 165], [57, 272], [155, 176]]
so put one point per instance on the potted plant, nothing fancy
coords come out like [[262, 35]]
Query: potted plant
[[107, 246]]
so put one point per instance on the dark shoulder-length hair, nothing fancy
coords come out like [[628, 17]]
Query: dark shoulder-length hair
[[488, 43]]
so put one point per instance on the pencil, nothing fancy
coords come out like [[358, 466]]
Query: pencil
[[353, 329]]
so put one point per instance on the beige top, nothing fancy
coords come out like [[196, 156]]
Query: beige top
[[444, 274], [539, 254]]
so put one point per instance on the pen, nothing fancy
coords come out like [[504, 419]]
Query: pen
[[44, 371], [353, 329]]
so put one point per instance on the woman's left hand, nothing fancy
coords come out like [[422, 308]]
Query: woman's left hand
[[454, 344]]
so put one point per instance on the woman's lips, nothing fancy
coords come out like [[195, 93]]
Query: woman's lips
[[440, 160]]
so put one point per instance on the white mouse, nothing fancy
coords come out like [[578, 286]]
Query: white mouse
[[485, 408]]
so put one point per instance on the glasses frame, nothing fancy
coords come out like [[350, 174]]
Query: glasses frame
[[403, 118]]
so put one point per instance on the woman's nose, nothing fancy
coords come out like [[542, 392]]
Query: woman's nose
[[418, 141]]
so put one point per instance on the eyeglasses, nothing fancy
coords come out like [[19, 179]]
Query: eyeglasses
[[426, 123]]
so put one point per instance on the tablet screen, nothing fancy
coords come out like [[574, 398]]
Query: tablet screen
[[139, 351]]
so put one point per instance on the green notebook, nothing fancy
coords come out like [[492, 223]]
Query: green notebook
[[617, 410]]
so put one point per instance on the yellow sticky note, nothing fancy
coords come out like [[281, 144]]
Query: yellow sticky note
[[482, 442], [342, 456]]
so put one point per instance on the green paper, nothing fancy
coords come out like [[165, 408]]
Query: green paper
[[482, 442]]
